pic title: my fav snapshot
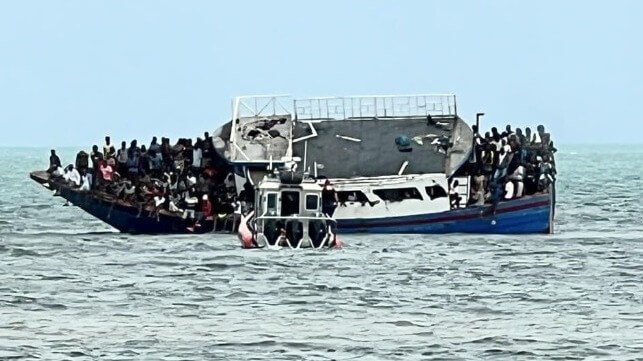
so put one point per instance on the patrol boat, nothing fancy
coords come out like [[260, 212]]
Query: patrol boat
[[288, 213], [394, 161]]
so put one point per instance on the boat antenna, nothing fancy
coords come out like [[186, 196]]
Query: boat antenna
[[472, 156], [478, 116]]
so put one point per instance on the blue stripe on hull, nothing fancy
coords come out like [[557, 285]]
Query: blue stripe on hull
[[526, 215], [520, 216], [126, 219]]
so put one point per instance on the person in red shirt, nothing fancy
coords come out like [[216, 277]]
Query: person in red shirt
[[205, 213], [206, 207]]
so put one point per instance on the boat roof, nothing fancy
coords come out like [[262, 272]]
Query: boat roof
[[347, 137], [367, 147], [271, 182]]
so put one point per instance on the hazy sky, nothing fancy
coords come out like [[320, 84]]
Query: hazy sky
[[73, 71]]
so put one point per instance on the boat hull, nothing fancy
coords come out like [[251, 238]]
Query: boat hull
[[527, 215], [128, 219]]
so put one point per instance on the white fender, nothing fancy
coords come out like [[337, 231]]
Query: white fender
[[245, 235]]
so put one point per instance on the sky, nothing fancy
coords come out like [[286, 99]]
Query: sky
[[73, 71]]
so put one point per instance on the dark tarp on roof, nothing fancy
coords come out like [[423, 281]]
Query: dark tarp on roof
[[376, 153]]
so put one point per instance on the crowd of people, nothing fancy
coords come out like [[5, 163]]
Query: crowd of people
[[508, 164], [185, 178], [188, 179]]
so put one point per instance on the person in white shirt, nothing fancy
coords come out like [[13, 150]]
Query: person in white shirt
[[509, 190], [58, 172], [86, 182], [108, 149], [72, 176], [517, 178], [197, 154]]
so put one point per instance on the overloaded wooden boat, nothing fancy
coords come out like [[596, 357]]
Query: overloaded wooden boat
[[124, 216], [399, 164]]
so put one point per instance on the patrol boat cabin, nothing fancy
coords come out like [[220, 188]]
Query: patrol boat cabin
[[288, 213]]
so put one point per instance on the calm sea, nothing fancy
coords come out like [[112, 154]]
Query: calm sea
[[71, 288]]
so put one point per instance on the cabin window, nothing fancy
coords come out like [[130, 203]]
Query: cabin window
[[289, 203], [272, 201], [351, 196], [435, 191], [398, 194], [312, 202]]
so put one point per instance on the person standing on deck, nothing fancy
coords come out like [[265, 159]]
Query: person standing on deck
[[108, 149], [133, 161], [197, 154], [329, 199], [206, 148], [95, 156], [121, 157], [154, 146]]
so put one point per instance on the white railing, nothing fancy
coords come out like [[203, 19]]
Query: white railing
[[260, 106], [255, 106], [381, 106]]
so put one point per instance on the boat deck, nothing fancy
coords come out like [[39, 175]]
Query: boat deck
[[367, 147]]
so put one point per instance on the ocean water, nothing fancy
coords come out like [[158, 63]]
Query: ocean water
[[71, 288]]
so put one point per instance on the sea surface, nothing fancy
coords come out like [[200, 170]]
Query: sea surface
[[72, 288]]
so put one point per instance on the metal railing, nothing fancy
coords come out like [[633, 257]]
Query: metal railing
[[255, 106], [260, 106], [336, 108], [381, 106]]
